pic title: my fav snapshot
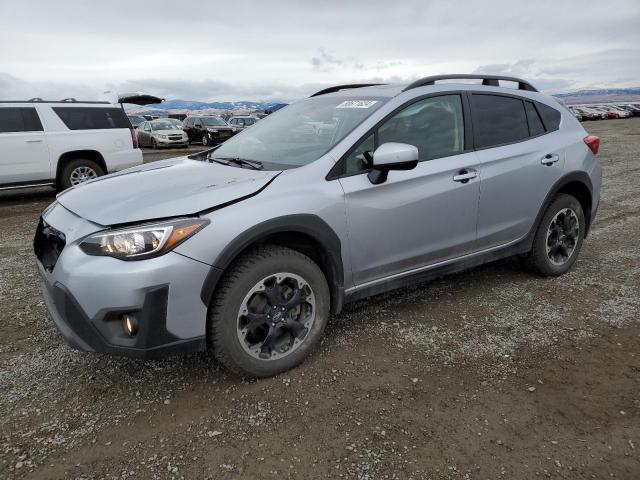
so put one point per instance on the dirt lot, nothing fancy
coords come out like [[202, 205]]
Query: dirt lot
[[492, 373]]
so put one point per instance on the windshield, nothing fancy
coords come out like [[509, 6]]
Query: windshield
[[300, 133], [164, 125], [213, 122]]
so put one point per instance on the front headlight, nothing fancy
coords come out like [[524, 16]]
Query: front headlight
[[162, 136], [144, 241]]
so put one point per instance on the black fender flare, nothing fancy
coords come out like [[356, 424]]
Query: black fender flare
[[580, 177], [310, 225]]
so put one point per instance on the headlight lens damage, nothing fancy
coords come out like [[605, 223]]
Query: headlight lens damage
[[143, 241]]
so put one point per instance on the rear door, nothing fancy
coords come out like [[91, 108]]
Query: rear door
[[24, 155], [417, 217], [522, 156]]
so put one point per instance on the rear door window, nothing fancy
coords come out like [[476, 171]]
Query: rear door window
[[550, 116], [92, 118], [535, 124], [498, 120], [19, 119]]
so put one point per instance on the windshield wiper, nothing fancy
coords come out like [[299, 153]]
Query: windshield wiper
[[255, 164]]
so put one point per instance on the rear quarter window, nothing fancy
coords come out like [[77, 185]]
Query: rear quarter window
[[92, 118], [550, 116]]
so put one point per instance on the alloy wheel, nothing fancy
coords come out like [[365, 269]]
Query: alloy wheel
[[275, 316], [82, 174], [562, 236]]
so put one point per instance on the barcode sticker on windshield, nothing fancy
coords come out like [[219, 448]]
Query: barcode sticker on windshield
[[357, 103]]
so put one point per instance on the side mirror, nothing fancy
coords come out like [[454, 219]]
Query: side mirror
[[392, 156]]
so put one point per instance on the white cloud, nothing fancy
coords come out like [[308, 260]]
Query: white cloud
[[285, 49]]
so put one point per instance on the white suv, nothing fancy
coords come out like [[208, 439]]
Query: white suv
[[63, 143]]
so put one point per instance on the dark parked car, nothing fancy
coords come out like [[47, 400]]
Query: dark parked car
[[208, 130]]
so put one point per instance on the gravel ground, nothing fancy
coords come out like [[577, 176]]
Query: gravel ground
[[492, 373]]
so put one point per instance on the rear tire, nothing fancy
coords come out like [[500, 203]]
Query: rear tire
[[558, 238], [249, 328], [79, 171]]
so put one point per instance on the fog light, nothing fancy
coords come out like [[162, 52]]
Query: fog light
[[130, 324]]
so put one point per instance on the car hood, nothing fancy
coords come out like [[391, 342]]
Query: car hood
[[168, 188]]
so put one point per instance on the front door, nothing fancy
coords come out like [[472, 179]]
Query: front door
[[417, 217]]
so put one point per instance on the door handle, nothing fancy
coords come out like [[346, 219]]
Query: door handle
[[465, 175], [549, 159], [33, 141]]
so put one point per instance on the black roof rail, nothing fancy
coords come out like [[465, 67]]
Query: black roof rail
[[488, 80], [337, 88]]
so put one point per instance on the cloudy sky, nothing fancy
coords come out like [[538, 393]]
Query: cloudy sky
[[282, 50]]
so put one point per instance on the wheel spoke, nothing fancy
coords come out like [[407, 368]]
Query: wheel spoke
[[295, 327], [270, 340], [255, 320], [564, 250], [273, 293], [298, 298], [572, 230]]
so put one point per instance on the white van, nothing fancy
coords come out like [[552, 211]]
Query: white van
[[63, 143]]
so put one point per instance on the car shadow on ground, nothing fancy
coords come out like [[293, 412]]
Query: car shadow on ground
[[28, 195]]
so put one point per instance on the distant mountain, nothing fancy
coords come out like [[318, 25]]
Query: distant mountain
[[602, 95], [194, 105]]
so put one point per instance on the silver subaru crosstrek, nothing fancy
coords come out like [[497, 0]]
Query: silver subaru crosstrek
[[249, 247]]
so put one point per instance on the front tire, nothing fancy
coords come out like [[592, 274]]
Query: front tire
[[269, 311], [558, 238], [79, 171], [205, 140]]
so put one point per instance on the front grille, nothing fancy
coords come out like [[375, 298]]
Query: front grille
[[48, 244], [175, 137]]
